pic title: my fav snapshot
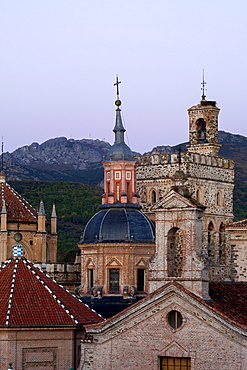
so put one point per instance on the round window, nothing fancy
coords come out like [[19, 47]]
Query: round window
[[174, 319]]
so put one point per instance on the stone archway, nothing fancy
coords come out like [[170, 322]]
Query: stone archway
[[174, 252]]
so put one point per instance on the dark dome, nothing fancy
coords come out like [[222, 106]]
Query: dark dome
[[119, 223], [120, 151]]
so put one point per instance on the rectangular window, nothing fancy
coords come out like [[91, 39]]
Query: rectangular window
[[140, 280], [114, 280], [90, 278], [117, 175], [128, 175], [175, 363], [118, 192]]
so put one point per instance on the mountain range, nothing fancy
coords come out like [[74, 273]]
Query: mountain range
[[62, 159]]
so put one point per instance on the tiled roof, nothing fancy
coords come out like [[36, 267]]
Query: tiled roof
[[240, 223], [230, 299], [31, 298], [18, 209]]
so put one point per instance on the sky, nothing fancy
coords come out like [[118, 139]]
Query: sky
[[59, 60]]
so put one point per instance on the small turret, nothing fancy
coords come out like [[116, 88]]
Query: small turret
[[3, 217], [41, 217], [53, 220]]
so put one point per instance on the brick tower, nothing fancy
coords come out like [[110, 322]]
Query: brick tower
[[119, 240]]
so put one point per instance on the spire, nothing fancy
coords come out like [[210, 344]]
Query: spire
[[53, 213], [119, 151], [203, 83], [41, 208], [118, 129]]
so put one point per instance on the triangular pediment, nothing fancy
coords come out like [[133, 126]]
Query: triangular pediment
[[141, 263], [114, 262], [90, 263], [175, 200], [174, 350]]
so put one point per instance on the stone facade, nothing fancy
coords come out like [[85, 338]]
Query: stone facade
[[139, 337], [66, 274], [178, 253], [238, 240], [208, 179]]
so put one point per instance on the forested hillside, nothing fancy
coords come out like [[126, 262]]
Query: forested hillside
[[75, 204], [79, 161]]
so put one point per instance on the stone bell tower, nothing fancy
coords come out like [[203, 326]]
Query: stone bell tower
[[203, 126]]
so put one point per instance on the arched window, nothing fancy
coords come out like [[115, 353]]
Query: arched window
[[221, 243], [174, 252], [153, 196], [218, 199], [198, 195], [201, 130], [210, 229]]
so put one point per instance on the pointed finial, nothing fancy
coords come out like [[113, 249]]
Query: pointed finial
[[53, 213], [203, 83], [118, 101], [41, 208]]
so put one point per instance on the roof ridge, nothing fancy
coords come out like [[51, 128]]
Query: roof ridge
[[11, 292], [49, 290], [29, 264], [24, 202]]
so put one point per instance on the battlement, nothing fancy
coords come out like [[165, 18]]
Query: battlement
[[185, 157]]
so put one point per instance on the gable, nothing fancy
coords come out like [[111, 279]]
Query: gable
[[142, 334], [173, 200], [170, 297], [114, 262]]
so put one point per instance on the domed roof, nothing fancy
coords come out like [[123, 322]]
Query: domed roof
[[119, 223], [120, 151]]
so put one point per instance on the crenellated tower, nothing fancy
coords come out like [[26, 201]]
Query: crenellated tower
[[205, 181]]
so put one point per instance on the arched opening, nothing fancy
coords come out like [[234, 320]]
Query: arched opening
[[198, 195], [174, 252], [219, 198], [48, 256], [201, 130], [222, 243], [210, 229], [153, 196]]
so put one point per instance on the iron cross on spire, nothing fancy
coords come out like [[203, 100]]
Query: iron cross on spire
[[203, 83], [116, 84]]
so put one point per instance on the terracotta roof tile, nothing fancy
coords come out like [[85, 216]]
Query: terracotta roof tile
[[240, 223], [230, 299], [37, 300], [18, 209]]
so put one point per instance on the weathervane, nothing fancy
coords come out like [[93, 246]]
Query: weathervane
[[118, 101], [203, 83]]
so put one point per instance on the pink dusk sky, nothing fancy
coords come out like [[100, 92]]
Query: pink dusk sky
[[59, 60]]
